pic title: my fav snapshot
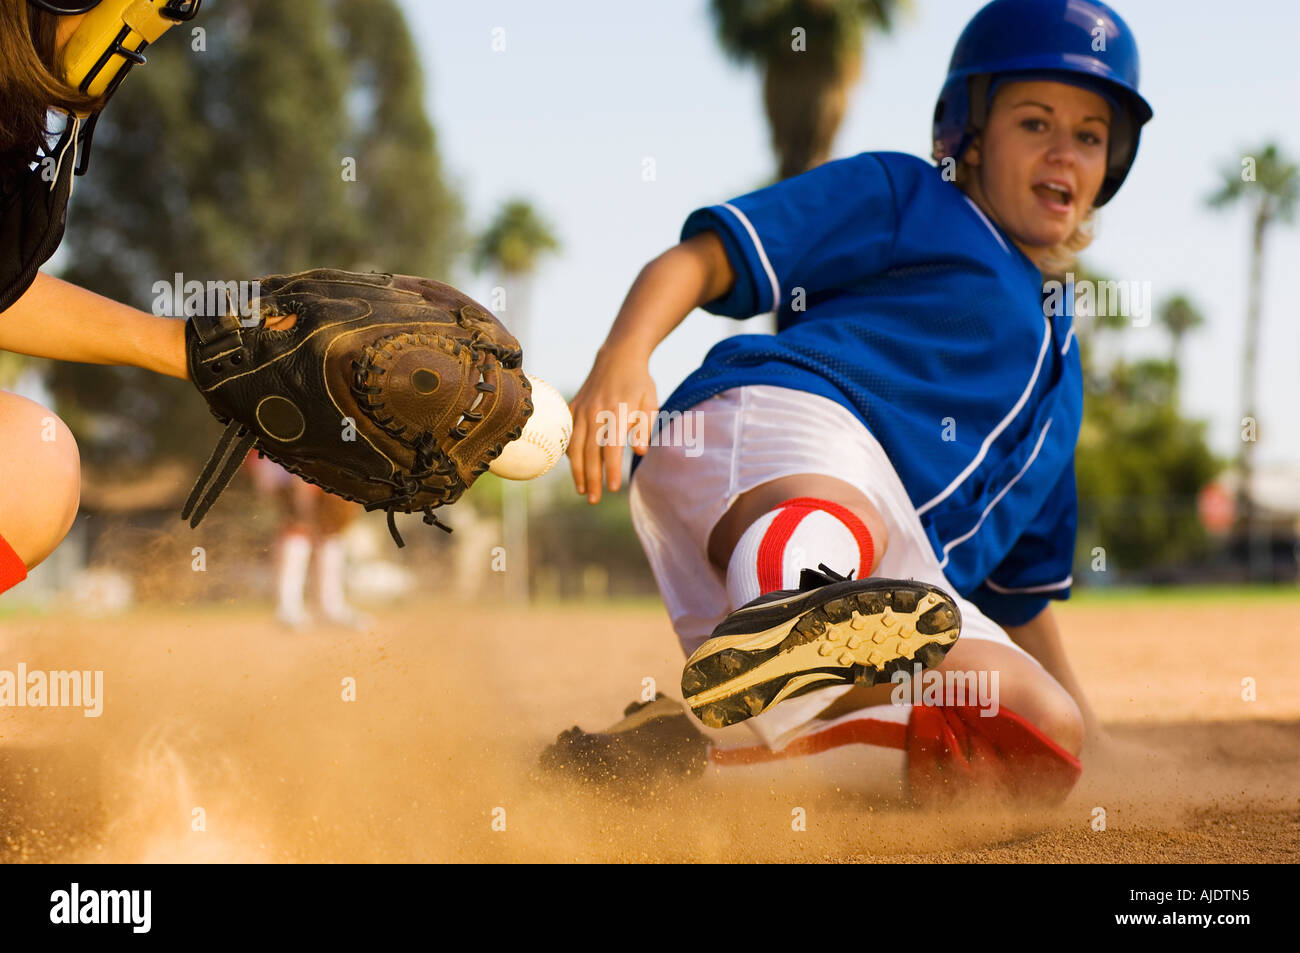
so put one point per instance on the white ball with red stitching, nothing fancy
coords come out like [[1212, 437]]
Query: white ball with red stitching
[[544, 439]]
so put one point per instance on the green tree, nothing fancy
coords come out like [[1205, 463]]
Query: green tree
[[515, 240], [512, 245], [400, 176], [1139, 463], [1268, 184], [285, 136], [810, 53], [1179, 316]]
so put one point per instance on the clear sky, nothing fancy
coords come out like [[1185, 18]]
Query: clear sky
[[587, 90]]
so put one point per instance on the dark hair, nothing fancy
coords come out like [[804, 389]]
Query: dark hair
[[29, 82]]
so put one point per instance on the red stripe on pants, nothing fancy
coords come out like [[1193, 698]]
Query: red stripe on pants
[[863, 731]]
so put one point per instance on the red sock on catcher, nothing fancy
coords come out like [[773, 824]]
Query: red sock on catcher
[[12, 569], [796, 535]]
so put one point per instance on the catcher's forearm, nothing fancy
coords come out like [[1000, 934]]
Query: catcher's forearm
[[667, 290], [64, 322], [1041, 638]]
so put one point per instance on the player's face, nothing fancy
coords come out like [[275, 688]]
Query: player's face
[[1041, 160]]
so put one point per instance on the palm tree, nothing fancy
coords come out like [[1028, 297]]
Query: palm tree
[[512, 246], [1179, 317], [1272, 194], [806, 75], [515, 240]]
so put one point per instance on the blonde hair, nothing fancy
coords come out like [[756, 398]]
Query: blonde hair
[[1061, 257]]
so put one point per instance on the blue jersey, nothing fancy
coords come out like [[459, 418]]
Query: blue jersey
[[899, 299]]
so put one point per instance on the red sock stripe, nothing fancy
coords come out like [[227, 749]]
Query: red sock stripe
[[771, 551], [12, 569], [862, 731]]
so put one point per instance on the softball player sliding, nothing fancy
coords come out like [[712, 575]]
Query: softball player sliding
[[895, 465]]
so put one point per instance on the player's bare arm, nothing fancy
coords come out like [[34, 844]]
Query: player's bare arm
[[58, 320], [668, 289]]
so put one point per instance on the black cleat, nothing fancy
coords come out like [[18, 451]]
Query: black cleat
[[832, 630], [653, 740]]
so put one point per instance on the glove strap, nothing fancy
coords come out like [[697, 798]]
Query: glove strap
[[392, 524], [219, 338], [230, 452]]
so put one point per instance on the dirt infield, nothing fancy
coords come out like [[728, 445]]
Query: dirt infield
[[218, 720]]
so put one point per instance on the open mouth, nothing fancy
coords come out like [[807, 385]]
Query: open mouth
[[1055, 195]]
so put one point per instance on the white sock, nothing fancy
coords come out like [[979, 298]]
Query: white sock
[[330, 565], [291, 575], [798, 534]]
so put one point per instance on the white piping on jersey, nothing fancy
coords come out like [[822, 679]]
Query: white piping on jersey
[[1042, 435], [75, 143], [1065, 583], [1068, 338], [762, 254], [996, 234], [993, 435]]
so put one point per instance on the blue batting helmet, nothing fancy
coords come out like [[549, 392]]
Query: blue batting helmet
[[1084, 42]]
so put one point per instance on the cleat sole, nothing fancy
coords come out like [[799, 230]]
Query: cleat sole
[[851, 635]]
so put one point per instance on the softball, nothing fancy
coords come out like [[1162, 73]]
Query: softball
[[544, 440]]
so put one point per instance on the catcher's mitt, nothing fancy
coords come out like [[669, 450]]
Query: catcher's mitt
[[391, 391]]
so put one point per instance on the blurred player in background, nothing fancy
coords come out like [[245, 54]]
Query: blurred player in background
[[312, 524], [901, 451]]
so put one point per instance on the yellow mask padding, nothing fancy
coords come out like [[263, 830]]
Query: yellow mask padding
[[97, 34]]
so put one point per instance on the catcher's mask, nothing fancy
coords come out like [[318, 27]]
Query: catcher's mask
[[113, 36], [108, 42], [98, 55]]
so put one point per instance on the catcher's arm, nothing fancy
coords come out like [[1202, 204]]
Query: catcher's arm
[[664, 293], [59, 320]]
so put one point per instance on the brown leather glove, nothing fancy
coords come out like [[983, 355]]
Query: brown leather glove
[[391, 391]]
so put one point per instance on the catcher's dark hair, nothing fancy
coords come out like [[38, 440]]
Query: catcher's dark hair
[[29, 83]]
